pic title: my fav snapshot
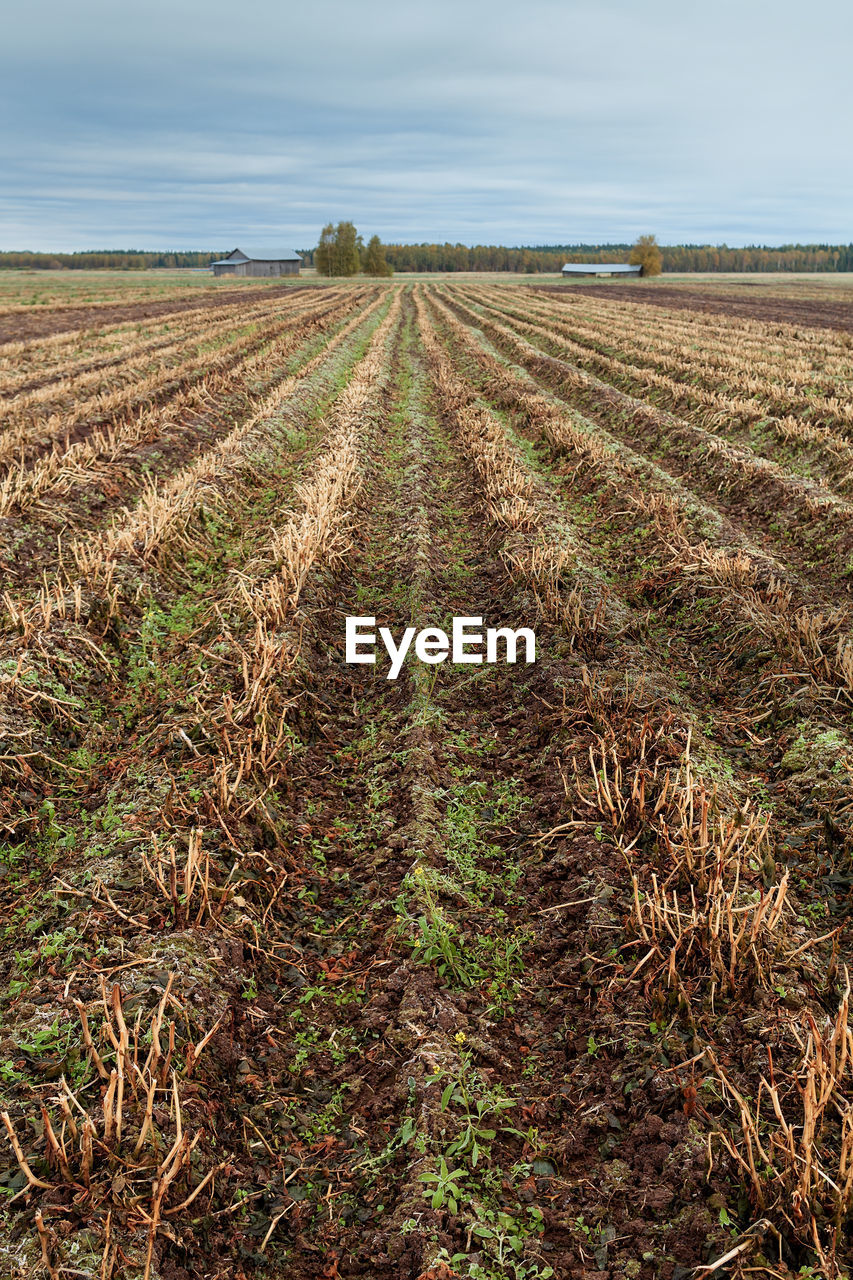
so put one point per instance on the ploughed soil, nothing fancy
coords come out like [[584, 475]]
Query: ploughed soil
[[417, 959], [18, 326], [806, 311]]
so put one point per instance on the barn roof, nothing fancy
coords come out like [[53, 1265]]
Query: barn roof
[[600, 266], [263, 255]]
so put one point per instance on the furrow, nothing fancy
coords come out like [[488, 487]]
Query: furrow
[[806, 518]]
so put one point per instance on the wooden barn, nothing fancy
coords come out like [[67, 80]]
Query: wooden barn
[[258, 262], [601, 269]]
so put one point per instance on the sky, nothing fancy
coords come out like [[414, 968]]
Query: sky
[[184, 124]]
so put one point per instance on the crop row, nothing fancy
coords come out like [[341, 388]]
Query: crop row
[[165, 511], [107, 450], [824, 447], [28, 430], [743, 388], [130, 346], [766, 338], [353, 965], [37, 358], [780, 358], [134, 356], [242, 698], [157, 529], [724, 410], [692, 541], [786, 367], [751, 485], [704, 931]]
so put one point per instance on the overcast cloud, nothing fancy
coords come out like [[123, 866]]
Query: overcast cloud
[[201, 124]]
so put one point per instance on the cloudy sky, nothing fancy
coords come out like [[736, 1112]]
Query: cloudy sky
[[201, 123]]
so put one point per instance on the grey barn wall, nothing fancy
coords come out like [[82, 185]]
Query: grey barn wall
[[256, 269]]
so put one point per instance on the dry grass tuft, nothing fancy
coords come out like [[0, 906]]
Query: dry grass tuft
[[136, 1138]]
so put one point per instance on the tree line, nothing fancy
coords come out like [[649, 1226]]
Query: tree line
[[675, 258], [112, 259], [787, 257], [347, 255]]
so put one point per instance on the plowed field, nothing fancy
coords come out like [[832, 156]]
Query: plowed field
[[826, 312], [485, 971]]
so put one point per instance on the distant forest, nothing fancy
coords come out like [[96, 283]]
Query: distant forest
[[460, 257], [113, 259], [680, 257]]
